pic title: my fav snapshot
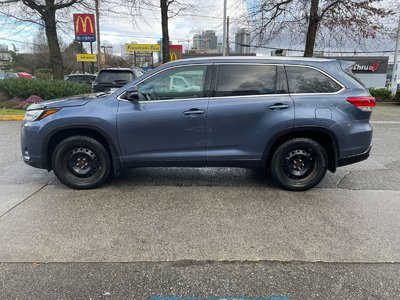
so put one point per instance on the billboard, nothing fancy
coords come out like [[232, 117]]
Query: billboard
[[142, 48], [84, 26]]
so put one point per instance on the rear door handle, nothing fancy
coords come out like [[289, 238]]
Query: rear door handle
[[278, 106], [194, 111]]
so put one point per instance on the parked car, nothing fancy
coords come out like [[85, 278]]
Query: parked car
[[8, 75], [81, 78], [297, 117], [114, 78]]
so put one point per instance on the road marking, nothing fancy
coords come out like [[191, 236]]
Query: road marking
[[385, 122]]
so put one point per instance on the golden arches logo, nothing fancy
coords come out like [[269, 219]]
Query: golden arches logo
[[172, 56], [84, 23]]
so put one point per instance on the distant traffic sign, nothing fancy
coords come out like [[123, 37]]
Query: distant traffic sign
[[86, 57], [142, 48], [84, 26]]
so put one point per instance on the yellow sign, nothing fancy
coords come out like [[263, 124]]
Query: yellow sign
[[142, 48], [172, 56], [86, 57]]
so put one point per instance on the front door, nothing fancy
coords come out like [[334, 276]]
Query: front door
[[167, 126]]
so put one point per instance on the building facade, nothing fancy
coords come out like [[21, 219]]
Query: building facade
[[5, 57], [370, 70], [242, 41], [206, 41]]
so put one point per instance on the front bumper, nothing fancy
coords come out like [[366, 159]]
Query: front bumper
[[31, 144]]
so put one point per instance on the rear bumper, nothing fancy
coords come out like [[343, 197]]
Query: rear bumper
[[353, 159]]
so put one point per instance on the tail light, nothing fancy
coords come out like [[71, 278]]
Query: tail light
[[366, 103]]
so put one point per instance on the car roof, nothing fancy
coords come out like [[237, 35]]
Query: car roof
[[71, 75], [253, 59], [116, 69]]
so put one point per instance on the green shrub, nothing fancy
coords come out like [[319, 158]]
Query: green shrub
[[46, 89], [381, 94], [43, 75]]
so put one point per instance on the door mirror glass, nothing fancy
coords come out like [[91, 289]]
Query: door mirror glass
[[131, 94]]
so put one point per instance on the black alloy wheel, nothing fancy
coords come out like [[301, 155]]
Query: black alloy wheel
[[299, 164], [81, 162]]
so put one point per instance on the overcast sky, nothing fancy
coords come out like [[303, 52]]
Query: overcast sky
[[122, 28]]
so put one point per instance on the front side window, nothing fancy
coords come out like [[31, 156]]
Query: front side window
[[175, 83], [306, 80], [244, 80]]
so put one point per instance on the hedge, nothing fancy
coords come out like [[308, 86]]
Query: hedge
[[381, 94], [46, 89]]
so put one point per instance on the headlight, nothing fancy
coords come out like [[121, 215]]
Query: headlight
[[38, 114]]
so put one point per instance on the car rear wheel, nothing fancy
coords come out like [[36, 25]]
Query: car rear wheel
[[81, 162], [299, 164]]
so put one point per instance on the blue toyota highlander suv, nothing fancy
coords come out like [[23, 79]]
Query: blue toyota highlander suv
[[296, 117]]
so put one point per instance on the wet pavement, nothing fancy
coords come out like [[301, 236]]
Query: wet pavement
[[203, 232]]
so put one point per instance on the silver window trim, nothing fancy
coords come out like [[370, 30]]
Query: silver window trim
[[343, 87], [167, 100]]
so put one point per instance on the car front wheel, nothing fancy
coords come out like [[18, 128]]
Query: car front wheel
[[81, 162], [299, 164]]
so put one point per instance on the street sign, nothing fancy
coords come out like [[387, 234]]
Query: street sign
[[143, 54], [142, 48], [84, 26], [86, 57]]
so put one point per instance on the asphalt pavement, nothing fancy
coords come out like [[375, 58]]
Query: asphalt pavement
[[158, 233]]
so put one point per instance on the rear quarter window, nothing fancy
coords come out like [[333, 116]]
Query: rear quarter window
[[306, 80]]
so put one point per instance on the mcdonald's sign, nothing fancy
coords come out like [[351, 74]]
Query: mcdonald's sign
[[84, 25], [175, 52], [172, 56]]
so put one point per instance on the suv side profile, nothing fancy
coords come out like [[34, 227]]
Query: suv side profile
[[296, 117]]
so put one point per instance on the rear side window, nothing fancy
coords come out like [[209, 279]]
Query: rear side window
[[243, 80], [307, 80], [115, 76]]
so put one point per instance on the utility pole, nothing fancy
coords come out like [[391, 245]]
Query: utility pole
[[98, 34], [224, 31], [227, 36], [395, 71]]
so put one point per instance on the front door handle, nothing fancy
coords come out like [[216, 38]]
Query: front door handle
[[194, 111], [278, 106]]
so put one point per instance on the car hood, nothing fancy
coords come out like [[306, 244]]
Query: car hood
[[79, 100]]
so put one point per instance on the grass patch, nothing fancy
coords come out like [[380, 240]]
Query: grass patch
[[8, 111]]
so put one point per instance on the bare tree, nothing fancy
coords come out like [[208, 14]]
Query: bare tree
[[310, 18], [43, 13]]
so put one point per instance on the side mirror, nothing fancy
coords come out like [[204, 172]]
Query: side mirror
[[131, 94]]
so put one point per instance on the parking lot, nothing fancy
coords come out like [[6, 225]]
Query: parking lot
[[203, 232]]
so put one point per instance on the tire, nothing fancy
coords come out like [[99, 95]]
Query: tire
[[299, 164], [81, 162]]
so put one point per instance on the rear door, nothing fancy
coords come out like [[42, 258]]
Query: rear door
[[250, 106]]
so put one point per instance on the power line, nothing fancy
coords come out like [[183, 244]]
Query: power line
[[299, 50]]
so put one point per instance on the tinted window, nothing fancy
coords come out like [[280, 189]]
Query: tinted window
[[241, 80], [176, 83], [306, 80], [115, 76]]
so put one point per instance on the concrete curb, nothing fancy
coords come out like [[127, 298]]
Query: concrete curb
[[11, 117]]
